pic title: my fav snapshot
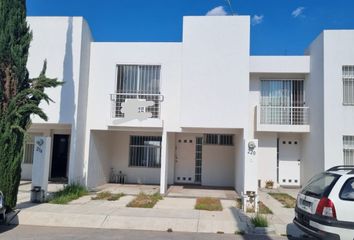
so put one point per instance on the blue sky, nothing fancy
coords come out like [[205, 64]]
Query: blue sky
[[279, 27]]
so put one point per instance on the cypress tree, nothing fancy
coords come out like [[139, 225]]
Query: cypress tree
[[19, 95]]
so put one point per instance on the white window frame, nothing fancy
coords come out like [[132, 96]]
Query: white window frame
[[156, 69], [348, 85], [348, 150]]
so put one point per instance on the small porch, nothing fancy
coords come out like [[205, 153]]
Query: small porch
[[196, 159], [195, 191], [129, 189], [174, 191], [206, 158]]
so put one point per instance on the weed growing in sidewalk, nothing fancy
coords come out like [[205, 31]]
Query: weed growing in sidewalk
[[108, 196], [285, 199], [144, 200], [68, 194], [259, 221]]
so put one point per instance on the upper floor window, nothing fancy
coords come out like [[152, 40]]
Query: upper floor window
[[348, 85], [283, 102], [138, 79], [282, 93], [140, 82]]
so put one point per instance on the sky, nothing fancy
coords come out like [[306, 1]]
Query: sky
[[278, 27]]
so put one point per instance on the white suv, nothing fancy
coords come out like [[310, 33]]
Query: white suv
[[325, 206]]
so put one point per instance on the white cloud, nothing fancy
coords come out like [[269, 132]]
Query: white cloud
[[257, 19], [298, 12], [218, 11]]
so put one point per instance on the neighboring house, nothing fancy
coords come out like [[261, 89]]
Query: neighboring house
[[213, 115]]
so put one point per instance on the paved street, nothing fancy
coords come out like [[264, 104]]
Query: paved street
[[56, 233]]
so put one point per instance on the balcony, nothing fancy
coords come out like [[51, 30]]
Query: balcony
[[146, 113], [282, 119]]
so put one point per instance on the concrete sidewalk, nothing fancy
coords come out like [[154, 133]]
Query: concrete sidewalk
[[177, 214], [282, 218]]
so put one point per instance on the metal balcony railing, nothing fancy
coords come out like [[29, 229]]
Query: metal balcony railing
[[284, 115], [118, 98]]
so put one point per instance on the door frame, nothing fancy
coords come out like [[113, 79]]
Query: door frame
[[193, 136], [289, 140], [68, 154]]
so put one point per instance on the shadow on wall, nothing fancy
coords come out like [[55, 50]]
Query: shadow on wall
[[67, 95]]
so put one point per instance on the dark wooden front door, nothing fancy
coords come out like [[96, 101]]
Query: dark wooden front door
[[60, 156]]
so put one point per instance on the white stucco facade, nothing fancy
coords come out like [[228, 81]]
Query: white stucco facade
[[219, 115]]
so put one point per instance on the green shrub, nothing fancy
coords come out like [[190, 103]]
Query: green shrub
[[259, 221], [68, 194]]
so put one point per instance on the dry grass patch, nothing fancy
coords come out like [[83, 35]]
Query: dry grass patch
[[145, 201], [285, 199], [108, 196], [208, 203]]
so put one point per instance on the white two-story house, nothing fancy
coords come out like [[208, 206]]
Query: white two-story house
[[201, 111]]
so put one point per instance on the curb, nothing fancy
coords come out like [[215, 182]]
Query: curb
[[10, 216], [264, 230]]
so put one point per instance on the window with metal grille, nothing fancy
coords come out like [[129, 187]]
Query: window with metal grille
[[348, 150], [29, 149], [145, 151], [211, 139], [28, 153], [218, 139], [138, 82], [348, 85], [198, 160], [283, 102], [138, 79]]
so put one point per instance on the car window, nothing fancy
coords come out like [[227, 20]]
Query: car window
[[320, 185], [347, 191]]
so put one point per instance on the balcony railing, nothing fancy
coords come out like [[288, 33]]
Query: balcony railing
[[118, 98], [284, 115]]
